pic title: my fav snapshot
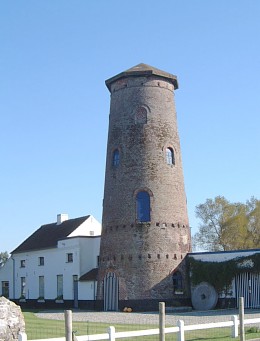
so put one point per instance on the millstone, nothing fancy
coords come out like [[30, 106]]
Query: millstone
[[204, 297]]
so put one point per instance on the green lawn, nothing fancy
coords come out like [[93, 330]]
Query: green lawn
[[39, 328]]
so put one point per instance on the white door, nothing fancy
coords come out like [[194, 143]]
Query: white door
[[111, 292]]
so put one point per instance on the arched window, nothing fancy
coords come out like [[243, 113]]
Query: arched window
[[170, 156], [143, 206], [141, 115], [116, 158], [177, 282]]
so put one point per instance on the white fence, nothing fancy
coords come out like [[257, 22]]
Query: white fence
[[112, 335]]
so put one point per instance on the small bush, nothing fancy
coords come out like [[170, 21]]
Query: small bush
[[252, 330]]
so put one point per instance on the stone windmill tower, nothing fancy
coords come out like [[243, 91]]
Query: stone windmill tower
[[146, 231]]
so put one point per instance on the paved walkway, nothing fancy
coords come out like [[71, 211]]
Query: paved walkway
[[189, 318]]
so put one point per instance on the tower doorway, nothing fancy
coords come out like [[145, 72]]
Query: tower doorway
[[111, 289]]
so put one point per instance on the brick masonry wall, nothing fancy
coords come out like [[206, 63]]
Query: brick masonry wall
[[143, 256]]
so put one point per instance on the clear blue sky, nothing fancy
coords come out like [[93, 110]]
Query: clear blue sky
[[54, 58]]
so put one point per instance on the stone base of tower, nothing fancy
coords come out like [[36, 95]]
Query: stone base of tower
[[147, 305], [117, 291], [153, 305]]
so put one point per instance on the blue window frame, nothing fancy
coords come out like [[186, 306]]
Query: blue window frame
[[116, 158], [143, 206], [170, 156]]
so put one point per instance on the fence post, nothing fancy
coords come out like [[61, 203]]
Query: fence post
[[112, 332], [68, 325], [181, 336], [234, 332], [241, 319], [161, 321], [22, 336]]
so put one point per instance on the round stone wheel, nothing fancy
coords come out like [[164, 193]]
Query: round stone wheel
[[204, 297]]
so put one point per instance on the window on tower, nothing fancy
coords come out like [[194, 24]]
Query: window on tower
[[141, 115], [170, 156], [177, 282], [143, 206], [116, 158]]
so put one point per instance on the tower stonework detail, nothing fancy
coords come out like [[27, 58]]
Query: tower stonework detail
[[145, 228]]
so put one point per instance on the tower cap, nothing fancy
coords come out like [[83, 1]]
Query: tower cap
[[143, 70]]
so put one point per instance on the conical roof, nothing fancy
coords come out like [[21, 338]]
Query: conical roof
[[143, 70]]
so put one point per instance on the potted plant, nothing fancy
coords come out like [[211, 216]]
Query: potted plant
[[22, 298], [40, 299], [59, 299]]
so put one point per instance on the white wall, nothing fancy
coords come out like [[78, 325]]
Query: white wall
[[90, 227], [6, 275], [54, 264], [87, 290], [88, 254]]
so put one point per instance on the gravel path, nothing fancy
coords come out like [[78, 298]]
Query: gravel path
[[189, 318]]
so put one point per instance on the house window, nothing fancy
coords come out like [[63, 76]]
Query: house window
[[41, 287], [59, 287], [5, 289], [116, 158], [22, 263], [41, 261], [69, 257], [143, 206], [177, 282], [170, 156], [23, 287]]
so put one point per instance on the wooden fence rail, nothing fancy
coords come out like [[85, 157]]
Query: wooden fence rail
[[235, 324], [112, 335]]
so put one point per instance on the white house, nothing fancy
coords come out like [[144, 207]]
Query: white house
[[57, 263]]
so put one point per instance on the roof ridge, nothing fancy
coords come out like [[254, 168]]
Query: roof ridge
[[47, 235], [55, 222]]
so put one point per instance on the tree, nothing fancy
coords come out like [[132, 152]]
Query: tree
[[3, 258], [228, 226], [254, 220]]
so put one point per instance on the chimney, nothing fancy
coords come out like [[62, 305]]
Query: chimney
[[61, 218]]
